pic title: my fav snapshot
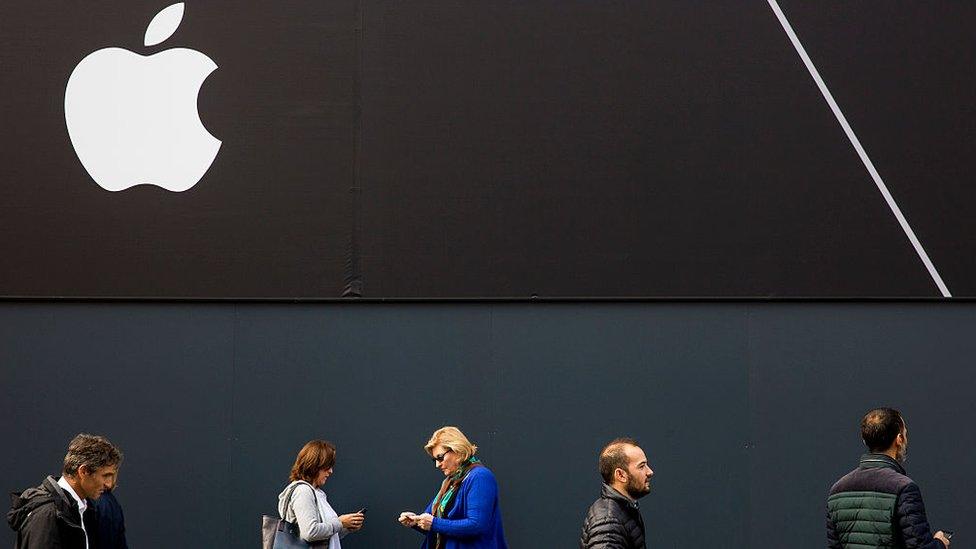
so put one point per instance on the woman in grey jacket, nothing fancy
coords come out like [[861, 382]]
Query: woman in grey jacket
[[303, 501]]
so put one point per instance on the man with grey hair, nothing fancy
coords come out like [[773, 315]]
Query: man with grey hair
[[54, 513], [614, 520]]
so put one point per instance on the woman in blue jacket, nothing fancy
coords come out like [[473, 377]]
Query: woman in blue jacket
[[464, 514]]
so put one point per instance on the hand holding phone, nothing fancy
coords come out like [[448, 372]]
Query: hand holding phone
[[944, 536], [352, 521]]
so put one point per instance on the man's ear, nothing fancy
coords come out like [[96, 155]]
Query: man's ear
[[83, 471], [620, 475]]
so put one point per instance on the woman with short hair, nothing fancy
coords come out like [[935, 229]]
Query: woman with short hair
[[303, 501], [465, 513]]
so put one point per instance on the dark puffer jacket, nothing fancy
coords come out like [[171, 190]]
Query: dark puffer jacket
[[46, 517], [613, 522], [877, 505]]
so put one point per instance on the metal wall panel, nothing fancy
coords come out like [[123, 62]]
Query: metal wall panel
[[748, 411]]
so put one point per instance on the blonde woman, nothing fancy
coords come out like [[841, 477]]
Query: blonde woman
[[464, 513]]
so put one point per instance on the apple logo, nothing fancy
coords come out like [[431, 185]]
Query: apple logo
[[133, 119]]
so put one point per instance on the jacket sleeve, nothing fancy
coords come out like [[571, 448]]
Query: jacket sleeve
[[912, 523], [305, 507], [605, 532], [481, 496], [429, 509], [833, 542]]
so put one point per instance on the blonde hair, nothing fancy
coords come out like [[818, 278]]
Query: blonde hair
[[454, 439]]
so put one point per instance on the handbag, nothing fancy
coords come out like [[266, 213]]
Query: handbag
[[278, 533]]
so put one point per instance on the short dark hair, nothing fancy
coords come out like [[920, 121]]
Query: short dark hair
[[613, 457], [91, 452], [880, 427], [315, 456]]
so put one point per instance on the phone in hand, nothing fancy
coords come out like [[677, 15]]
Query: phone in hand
[[948, 533], [363, 510]]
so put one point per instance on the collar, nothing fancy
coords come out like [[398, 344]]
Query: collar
[[82, 505], [877, 461], [610, 492]]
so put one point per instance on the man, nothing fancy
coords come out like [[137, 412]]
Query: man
[[877, 505], [614, 520], [54, 513]]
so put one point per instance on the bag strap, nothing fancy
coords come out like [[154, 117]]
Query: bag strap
[[291, 491]]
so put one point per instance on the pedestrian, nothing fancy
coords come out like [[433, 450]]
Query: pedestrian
[[877, 504], [614, 520], [58, 512], [303, 502], [111, 521], [464, 513]]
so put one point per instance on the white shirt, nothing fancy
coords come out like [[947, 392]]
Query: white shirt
[[82, 505]]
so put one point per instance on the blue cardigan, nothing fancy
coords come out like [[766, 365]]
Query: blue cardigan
[[474, 521]]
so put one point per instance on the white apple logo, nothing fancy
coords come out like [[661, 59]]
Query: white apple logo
[[133, 119]]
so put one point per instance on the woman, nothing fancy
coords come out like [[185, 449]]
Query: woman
[[464, 514], [303, 501]]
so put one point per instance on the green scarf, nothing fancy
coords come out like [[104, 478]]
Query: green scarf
[[445, 497]]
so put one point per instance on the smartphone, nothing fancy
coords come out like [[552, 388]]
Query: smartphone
[[948, 533], [363, 510]]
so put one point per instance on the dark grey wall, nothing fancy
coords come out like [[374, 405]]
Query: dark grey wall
[[748, 411]]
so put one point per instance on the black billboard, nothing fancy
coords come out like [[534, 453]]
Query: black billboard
[[298, 149]]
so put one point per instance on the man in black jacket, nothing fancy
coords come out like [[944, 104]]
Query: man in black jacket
[[614, 520], [53, 515], [877, 505]]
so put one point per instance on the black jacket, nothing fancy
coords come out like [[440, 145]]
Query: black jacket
[[46, 517], [877, 505], [613, 522]]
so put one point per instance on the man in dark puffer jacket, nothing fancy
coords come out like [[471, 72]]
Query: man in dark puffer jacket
[[877, 505], [614, 520]]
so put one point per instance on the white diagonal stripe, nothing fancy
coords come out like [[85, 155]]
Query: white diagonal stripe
[[860, 150]]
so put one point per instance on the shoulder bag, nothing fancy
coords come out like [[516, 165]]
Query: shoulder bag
[[278, 533]]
